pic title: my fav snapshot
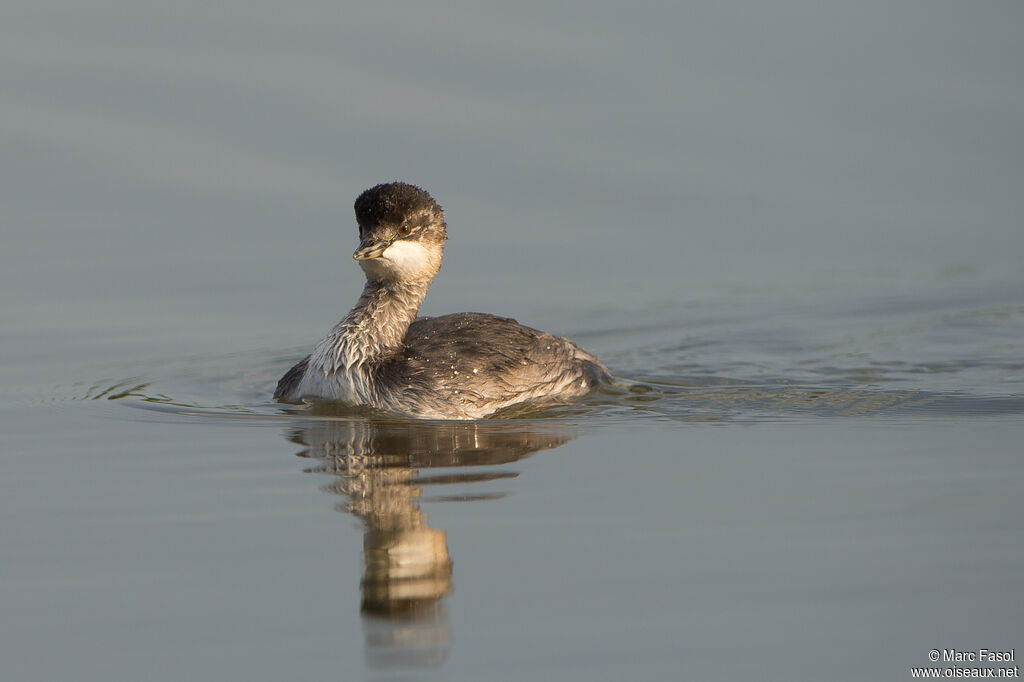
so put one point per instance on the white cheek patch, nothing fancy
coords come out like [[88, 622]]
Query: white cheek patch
[[407, 258]]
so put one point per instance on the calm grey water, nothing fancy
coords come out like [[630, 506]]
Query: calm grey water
[[792, 232]]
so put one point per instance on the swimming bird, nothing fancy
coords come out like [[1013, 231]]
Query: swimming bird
[[460, 366]]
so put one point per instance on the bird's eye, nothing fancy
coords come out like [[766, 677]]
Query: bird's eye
[[404, 229]]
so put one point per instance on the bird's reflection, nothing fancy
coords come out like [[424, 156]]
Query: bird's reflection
[[407, 569]]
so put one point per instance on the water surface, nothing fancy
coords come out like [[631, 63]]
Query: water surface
[[792, 233]]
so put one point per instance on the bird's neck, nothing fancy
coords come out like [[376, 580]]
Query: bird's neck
[[375, 327]]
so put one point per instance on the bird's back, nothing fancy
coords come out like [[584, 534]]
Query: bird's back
[[480, 363]]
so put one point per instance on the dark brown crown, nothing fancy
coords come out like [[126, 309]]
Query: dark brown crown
[[394, 203]]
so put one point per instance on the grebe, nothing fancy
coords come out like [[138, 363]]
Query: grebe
[[461, 366]]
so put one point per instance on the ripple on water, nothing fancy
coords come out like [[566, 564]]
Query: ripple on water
[[207, 390], [756, 365]]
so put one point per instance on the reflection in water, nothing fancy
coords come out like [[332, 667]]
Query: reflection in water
[[406, 566]]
